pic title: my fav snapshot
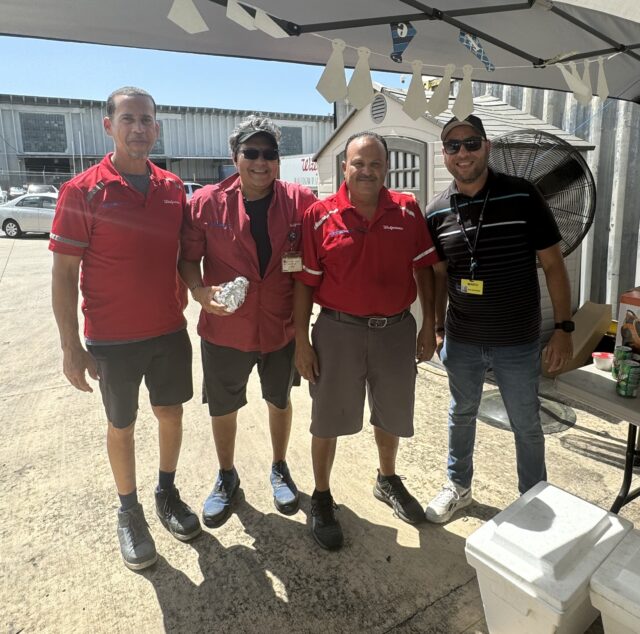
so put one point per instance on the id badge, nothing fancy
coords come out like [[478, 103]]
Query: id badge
[[292, 262], [472, 287]]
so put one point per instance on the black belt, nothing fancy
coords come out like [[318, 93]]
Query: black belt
[[371, 322]]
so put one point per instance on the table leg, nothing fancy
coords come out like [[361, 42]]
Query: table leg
[[624, 496]]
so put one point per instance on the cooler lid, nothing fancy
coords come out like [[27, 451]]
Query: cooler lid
[[548, 543], [618, 579]]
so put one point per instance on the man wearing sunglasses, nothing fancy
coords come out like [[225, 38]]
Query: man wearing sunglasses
[[488, 229], [366, 252], [248, 225]]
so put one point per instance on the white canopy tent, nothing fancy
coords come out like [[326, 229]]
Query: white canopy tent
[[522, 39]]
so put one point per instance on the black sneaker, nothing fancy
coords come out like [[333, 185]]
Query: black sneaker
[[176, 516], [325, 528], [391, 490], [136, 544], [285, 492], [217, 507]]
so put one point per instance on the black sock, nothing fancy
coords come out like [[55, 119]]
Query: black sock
[[129, 500], [321, 495], [166, 479]]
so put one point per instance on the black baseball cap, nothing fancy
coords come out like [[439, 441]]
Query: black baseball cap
[[471, 120]]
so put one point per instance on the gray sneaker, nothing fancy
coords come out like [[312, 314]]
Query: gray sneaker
[[136, 544], [451, 498]]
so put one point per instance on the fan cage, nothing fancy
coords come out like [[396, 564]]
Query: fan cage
[[560, 173]]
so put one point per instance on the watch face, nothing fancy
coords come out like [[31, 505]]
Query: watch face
[[566, 326]]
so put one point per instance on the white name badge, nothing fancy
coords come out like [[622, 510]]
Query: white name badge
[[292, 262]]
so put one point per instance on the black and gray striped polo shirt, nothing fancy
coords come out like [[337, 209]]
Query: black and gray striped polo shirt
[[517, 223]]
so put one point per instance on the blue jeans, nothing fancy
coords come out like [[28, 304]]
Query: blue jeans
[[517, 372]]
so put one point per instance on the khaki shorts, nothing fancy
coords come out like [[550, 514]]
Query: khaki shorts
[[356, 360]]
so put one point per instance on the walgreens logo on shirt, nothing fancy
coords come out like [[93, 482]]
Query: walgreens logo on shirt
[[166, 201], [392, 228]]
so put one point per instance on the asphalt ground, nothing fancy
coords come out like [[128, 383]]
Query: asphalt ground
[[60, 567]]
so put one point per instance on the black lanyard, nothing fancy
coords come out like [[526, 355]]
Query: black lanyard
[[473, 263]]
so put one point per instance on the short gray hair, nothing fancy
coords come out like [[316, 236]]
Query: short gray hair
[[127, 91], [251, 126]]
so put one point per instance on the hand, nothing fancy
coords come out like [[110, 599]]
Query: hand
[[74, 363], [307, 361], [204, 296], [558, 351], [439, 342], [425, 344]]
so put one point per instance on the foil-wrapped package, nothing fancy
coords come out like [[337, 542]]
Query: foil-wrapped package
[[232, 294]]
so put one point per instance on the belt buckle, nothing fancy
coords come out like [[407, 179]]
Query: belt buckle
[[377, 322]]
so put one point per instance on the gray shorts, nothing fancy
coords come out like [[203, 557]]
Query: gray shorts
[[164, 363], [354, 360], [226, 373]]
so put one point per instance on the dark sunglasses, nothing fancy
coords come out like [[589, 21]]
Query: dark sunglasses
[[472, 144], [268, 154]]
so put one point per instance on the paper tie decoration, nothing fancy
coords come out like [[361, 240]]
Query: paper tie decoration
[[332, 84], [475, 46], [464, 102], [439, 101], [268, 25], [575, 83], [360, 91], [240, 16], [415, 102], [585, 100], [401, 33], [185, 14], [603, 88]]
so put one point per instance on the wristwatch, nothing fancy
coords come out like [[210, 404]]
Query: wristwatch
[[565, 326]]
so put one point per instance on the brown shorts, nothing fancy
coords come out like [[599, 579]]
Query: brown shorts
[[355, 359]]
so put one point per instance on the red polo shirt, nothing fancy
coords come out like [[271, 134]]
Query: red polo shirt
[[365, 267], [129, 245], [218, 230]]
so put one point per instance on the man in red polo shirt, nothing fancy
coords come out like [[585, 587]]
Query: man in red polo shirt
[[248, 225], [117, 230], [364, 249]]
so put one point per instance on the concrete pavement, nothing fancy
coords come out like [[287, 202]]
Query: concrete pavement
[[60, 568]]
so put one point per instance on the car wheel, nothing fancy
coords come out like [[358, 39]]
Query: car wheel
[[12, 229]]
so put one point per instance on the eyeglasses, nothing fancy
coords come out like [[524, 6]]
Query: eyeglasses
[[472, 144], [268, 154]]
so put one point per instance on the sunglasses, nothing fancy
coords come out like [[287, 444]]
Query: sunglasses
[[472, 144], [268, 154]]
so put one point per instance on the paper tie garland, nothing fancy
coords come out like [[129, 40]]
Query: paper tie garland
[[359, 92]]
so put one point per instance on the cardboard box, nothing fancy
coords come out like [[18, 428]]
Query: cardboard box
[[592, 321], [629, 320]]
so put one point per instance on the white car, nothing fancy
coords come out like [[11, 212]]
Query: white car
[[190, 188], [28, 213]]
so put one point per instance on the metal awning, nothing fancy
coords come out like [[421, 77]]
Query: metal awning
[[521, 39]]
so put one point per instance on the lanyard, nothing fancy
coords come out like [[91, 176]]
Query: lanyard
[[473, 264]]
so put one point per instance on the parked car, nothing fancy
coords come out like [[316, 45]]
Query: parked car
[[28, 213], [16, 191], [190, 188], [40, 188]]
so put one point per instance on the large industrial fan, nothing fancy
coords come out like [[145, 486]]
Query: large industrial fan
[[566, 182], [559, 172]]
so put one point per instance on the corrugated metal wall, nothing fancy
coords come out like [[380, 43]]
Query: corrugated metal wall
[[610, 258]]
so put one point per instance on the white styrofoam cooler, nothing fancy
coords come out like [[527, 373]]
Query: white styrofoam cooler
[[615, 587], [534, 561]]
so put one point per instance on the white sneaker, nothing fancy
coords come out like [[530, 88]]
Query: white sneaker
[[451, 498]]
